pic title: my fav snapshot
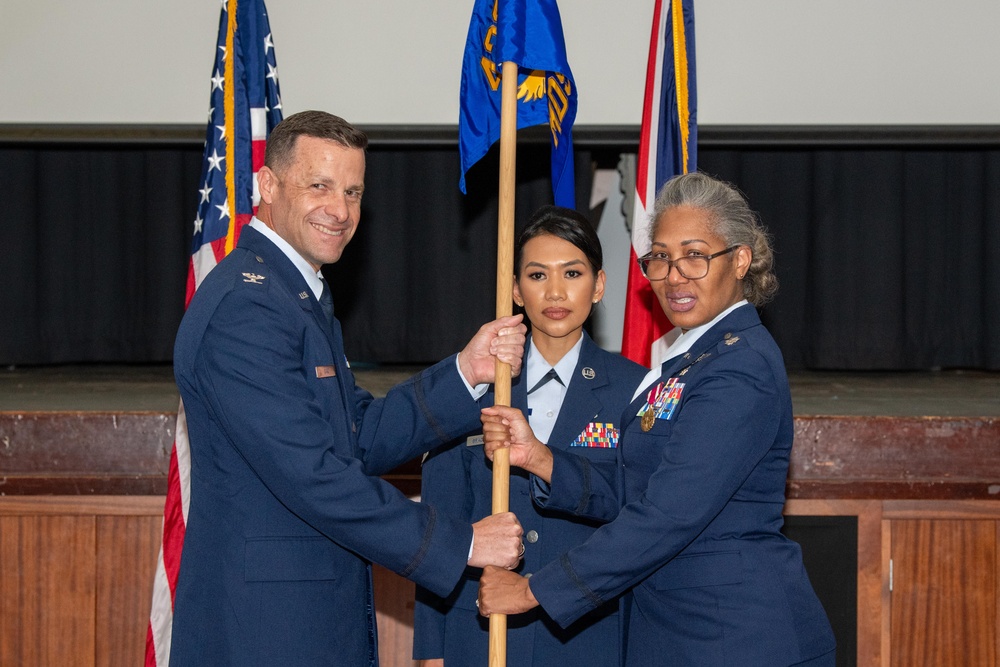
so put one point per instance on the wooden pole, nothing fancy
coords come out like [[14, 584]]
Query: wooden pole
[[505, 285]]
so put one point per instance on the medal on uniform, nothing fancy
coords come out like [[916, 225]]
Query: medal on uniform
[[661, 402], [648, 419], [649, 411]]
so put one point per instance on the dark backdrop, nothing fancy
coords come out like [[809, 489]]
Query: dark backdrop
[[888, 251]]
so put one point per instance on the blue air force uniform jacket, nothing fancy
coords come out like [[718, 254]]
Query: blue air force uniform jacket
[[697, 514], [458, 480], [286, 507]]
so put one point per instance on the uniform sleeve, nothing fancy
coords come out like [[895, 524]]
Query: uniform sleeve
[[445, 485], [579, 488], [723, 430], [251, 374], [435, 402]]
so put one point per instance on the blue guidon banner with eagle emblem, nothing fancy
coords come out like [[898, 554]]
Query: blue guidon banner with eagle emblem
[[529, 33]]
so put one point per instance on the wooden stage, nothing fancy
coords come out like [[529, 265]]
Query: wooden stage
[[911, 460]]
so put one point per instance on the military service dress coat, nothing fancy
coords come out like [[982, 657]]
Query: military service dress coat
[[286, 508], [697, 509], [459, 480]]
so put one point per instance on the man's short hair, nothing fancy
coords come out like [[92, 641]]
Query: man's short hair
[[319, 124]]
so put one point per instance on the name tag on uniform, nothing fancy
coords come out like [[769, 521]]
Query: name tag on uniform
[[474, 441], [326, 371]]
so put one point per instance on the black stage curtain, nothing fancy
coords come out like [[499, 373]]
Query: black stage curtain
[[889, 258], [94, 243]]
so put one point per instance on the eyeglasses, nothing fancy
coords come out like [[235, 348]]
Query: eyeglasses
[[692, 267]]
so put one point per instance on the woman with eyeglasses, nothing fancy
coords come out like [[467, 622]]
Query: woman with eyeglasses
[[574, 394], [695, 511]]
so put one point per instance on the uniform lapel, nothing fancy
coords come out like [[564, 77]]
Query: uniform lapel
[[702, 350], [286, 273], [582, 402], [344, 376]]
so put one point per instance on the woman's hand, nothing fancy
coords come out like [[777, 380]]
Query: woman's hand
[[503, 592], [507, 427]]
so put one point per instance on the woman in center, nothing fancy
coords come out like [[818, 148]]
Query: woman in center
[[573, 393]]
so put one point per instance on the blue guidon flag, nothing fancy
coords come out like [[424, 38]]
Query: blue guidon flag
[[245, 105], [529, 33]]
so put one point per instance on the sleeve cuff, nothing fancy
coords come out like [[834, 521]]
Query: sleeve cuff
[[476, 392]]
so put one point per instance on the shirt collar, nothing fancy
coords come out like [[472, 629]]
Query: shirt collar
[[537, 367], [313, 278], [687, 339], [683, 343]]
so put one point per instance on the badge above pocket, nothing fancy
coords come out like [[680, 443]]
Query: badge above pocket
[[596, 434], [661, 403]]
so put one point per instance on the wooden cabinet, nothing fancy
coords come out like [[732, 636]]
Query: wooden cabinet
[[76, 566], [75, 579], [943, 594], [928, 580]]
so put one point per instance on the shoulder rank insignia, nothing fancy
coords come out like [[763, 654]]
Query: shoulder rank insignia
[[253, 278], [734, 339]]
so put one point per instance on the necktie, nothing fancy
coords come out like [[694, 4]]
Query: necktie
[[326, 302], [551, 375]]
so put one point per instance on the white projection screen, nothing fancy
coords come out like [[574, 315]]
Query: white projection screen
[[393, 62]]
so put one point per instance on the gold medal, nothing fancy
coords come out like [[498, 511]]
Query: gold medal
[[648, 419]]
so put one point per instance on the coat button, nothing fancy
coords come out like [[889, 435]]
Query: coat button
[[532, 537]]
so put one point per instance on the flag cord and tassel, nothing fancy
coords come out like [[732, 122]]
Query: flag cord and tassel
[[505, 280]]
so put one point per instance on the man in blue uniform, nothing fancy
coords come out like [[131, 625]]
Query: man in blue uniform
[[287, 510]]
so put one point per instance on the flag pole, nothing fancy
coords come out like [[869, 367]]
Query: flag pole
[[505, 284]]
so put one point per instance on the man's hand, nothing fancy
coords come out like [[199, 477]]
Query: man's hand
[[497, 541], [502, 592], [501, 339], [507, 427]]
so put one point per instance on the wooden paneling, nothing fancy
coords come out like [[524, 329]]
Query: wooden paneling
[[85, 453], [80, 529], [76, 576], [127, 547], [872, 587], [47, 584], [394, 609], [846, 457], [944, 583], [940, 458]]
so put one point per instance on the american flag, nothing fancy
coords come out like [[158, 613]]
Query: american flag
[[245, 106], [667, 147]]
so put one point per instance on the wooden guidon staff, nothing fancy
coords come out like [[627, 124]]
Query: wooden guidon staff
[[505, 278]]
